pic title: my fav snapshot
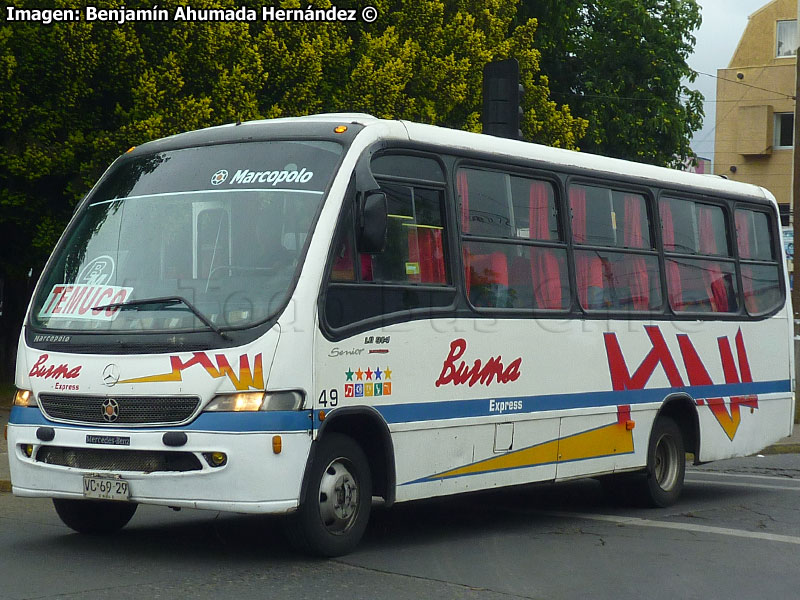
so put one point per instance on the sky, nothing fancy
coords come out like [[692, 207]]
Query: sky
[[723, 24]]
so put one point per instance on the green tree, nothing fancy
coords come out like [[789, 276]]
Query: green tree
[[73, 96], [621, 64]]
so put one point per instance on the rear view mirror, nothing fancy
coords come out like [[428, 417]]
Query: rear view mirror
[[372, 223]]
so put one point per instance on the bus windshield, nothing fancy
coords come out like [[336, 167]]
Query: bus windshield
[[218, 230]]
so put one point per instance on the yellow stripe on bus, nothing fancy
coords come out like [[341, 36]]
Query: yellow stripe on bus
[[603, 441]]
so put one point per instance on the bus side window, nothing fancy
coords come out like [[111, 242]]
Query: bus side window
[[414, 251], [616, 260], [524, 268], [701, 274], [410, 274], [760, 266]]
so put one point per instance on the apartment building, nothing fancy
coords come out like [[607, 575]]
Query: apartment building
[[755, 104]]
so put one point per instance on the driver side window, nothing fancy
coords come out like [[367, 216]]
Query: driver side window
[[413, 268]]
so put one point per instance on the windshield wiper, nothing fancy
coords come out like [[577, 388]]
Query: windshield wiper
[[165, 301]]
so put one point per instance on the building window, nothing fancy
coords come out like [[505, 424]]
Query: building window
[[784, 130], [786, 38]]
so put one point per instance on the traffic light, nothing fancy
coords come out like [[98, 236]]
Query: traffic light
[[502, 99]]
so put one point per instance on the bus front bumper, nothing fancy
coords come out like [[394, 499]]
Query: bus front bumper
[[254, 478]]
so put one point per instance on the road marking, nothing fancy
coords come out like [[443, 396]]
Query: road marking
[[717, 474], [760, 486], [637, 522]]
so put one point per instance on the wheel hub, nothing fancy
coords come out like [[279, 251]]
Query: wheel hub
[[338, 497], [666, 463]]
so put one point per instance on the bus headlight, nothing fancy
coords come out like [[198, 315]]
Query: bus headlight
[[24, 398], [256, 401]]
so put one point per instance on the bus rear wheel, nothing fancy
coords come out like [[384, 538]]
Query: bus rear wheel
[[666, 465], [333, 515], [94, 516]]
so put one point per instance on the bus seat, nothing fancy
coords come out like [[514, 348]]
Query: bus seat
[[718, 292], [487, 279]]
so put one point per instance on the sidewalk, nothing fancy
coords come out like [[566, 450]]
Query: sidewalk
[[789, 445]]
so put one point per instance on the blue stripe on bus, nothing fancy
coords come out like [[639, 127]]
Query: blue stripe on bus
[[214, 422], [459, 409], [440, 410]]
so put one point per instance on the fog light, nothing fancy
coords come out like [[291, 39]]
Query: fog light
[[215, 459], [28, 449]]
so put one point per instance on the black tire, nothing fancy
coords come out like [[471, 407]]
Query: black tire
[[94, 516], [666, 465], [333, 515]]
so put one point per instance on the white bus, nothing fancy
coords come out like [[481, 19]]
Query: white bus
[[298, 315]]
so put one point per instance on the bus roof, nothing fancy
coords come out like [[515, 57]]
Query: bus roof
[[460, 141]]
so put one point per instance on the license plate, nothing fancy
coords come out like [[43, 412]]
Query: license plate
[[105, 488]]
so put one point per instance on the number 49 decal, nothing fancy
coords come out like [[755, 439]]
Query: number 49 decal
[[329, 398]]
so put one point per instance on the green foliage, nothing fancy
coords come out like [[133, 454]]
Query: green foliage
[[73, 96], [621, 64]]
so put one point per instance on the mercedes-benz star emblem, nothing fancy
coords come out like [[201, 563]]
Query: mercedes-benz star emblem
[[110, 410], [110, 375]]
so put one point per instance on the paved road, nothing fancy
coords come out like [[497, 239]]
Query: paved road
[[735, 534]]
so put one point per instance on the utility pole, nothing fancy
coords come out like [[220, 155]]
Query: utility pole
[[795, 208]]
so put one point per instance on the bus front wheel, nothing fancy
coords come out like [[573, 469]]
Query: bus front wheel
[[333, 515], [666, 464], [94, 516]]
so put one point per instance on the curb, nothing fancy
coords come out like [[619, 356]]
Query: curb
[[781, 449]]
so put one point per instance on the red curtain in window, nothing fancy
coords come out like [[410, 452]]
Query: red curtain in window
[[539, 211], [577, 202], [636, 266], [413, 254], [743, 234], [712, 274], [674, 287], [545, 272], [366, 267], [463, 192], [589, 269], [425, 248], [742, 220]]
